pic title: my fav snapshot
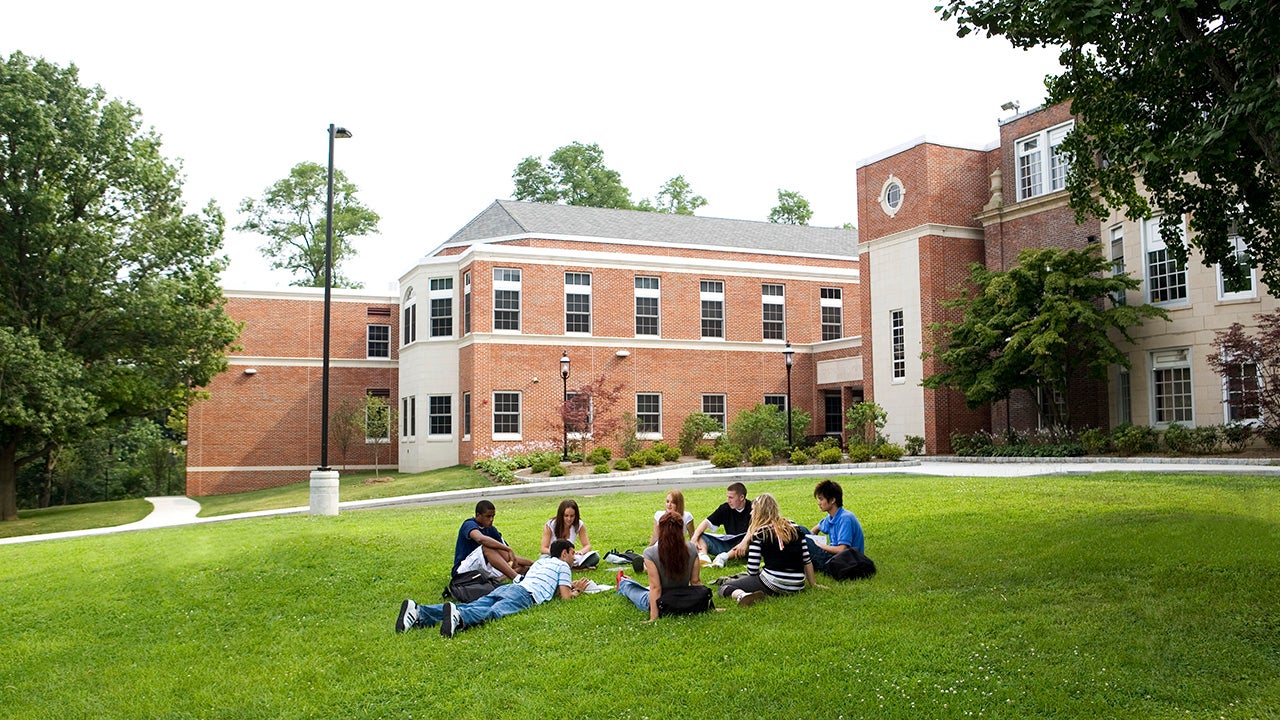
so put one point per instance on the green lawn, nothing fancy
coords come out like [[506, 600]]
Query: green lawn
[[1113, 595], [76, 517]]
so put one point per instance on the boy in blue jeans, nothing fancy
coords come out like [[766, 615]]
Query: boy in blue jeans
[[841, 527]]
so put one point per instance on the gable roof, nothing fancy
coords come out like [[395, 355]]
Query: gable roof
[[505, 218]]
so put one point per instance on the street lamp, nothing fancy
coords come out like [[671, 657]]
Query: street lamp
[[564, 379], [787, 352], [324, 481]]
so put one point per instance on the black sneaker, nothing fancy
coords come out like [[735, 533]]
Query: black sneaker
[[408, 616], [451, 622]]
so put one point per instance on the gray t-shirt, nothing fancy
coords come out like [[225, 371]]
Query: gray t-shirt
[[651, 553]]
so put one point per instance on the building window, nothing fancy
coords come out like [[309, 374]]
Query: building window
[[408, 417], [1166, 277], [898, 339], [832, 414], [1243, 287], [440, 415], [1171, 386], [575, 427], [714, 405], [379, 337], [378, 416], [1042, 166], [577, 302], [712, 295], [1124, 398], [409, 326], [832, 301], [506, 299], [466, 416], [778, 401], [1117, 261], [441, 307], [773, 300], [506, 416], [649, 414], [1242, 392], [1053, 406], [647, 290], [466, 303]]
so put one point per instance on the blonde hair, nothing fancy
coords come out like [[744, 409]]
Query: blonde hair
[[765, 516]]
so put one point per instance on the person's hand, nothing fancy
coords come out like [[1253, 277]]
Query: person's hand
[[581, 584]]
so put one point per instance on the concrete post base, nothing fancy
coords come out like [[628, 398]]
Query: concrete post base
[[324, 492]]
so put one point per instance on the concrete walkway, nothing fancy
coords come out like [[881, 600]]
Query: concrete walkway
[[172, 511]]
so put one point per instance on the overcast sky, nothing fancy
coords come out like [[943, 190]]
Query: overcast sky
[[444, 99]]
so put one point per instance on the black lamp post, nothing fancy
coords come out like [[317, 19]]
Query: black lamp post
[[564, 379], [787, 352], [334, 132]]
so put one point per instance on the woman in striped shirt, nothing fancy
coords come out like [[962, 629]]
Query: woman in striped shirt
[[777, 557]]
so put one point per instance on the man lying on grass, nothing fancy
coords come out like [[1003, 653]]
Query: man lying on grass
[[545, 578]]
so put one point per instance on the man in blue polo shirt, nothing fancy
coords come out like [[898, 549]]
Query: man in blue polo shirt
[[841, 527]]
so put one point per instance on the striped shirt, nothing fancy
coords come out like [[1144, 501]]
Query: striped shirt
[[783, 565], [545, 577]]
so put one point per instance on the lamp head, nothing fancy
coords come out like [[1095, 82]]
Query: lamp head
[[341, 132], [787, 352], [564, 364]]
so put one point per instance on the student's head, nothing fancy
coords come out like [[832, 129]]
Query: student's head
[[484, 513], [675, 502], [672, 550], [830, 492], [567, 516], [559, 548], [765, 514], [736, 495]]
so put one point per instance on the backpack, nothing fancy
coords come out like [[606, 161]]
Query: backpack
[[850, 564], [470, 586], [689, 600]]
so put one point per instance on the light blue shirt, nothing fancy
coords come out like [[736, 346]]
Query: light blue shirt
[[843, 528], [545, 577]]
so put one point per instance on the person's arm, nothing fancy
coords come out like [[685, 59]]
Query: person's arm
[[582, 537], [740, 550], [753, 556], [808, 575], [653, 538], [688, 529], [546, 540], [695, 578], [655, 587], [486, 541], [703, 526]]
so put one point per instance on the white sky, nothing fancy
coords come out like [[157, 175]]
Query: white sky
[[444, 99]]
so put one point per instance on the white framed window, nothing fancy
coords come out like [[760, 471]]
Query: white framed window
[[506, 300], [774, 318], [1053, 406], [575, 431], [379, 415], [648, 291], [1124, 397], [1241, 288], [466, 416], [1166, 277], [1171, 396], [506, 416], [898, 340], [408, 417], [1241, 393], [1041, 164], [440, 416], [891, 194], [649, 416], [1117, 261], [711, 293], [409, 324], [466, 303], [379, 341], [577, 303], [714, 405], [441, 307], [778, 401], [831, 301]]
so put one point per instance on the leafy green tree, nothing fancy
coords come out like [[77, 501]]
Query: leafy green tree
[[345, 427], [1178, 97], [792, 209], [762, 426], [676, 197], [379, 425], [291, 215], [109, 301], [1041, 323], [574, 174], [865, 423], [1249, 363]]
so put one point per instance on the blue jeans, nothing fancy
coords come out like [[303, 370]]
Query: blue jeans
[[819, 556], [715, 545], [503, 601], [635, 592]]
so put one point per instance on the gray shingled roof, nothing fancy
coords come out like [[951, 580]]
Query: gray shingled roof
[[508, 217]]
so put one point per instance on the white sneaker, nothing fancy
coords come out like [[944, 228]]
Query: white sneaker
[[720, 560], [748, 599], [451, 622], [408, 616]]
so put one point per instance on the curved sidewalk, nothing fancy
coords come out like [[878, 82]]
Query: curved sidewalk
[[171, 511]]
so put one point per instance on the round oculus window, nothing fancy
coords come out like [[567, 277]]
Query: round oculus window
[[891, 195]]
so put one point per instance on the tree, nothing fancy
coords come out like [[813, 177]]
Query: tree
[[865, 423], [1039, 324], [109, 301], [676, 197], [1178, 97], [345, 427], [588, 413], [1250, 368], [574, 174], [379, 423], [291, 214], [792, 209]]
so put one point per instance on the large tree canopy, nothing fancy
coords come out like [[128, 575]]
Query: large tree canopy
[[109, 297], [291, 214], [792, 209], [675, 197], [1179, 96], [574, 174], [1041, 323]]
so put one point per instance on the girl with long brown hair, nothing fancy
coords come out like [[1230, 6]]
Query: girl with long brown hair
[[671, 562]]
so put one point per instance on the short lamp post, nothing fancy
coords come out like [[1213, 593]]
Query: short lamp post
[[787, 354], [324, 480], [564, 379]]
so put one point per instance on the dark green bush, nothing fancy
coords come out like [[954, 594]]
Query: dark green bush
[[636, 459], [762, 426], [760, 456], [831, 456], [1204, 439], [915, 445], [1236, 436], [1095, 441], [727, 455], [857, 453], [599, 455], [621, 464], [889, 451], [799, 457], [602, 468], [1177, 438], [704, 451], [652, 457], [671, 454], [557, 470], [696, 426], [971, 444]]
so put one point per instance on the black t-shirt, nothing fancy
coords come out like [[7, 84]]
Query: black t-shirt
[[735, 522]]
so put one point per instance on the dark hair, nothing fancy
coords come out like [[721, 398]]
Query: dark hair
[[558, 547], [484, 506], [738, 488], [560, 529], [672, 550], [830, 489]]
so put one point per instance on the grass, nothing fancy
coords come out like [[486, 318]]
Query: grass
[[1113, 595], [76, 517]]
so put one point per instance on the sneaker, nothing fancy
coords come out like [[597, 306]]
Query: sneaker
[[749, 599], [617, 582], [720, 560], [451, 622], [408, 616]]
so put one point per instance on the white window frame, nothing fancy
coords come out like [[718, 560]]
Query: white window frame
[[1240, 251], [1116, 236], [898, 345], [1040, 166], [723, 415], [1172, 360], [432, 415], [466, 416], [655, 293], [1226, 395], [707, 293], [573, 285], [508, 285], [649, 434], [409, 324], [466, 303], [519, 414], [773, 297], [837, 302], [778, 400], [385, 341], [441, 290], [1124, 397], [408, 418], [386, 397], [1156, 254]]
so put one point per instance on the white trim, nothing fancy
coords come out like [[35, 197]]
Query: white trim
[[278, 468], [919, 231]]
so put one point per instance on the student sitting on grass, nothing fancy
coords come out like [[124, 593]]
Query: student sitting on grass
[[671, 562], [841, 527], [675, 504], [568, 525], [480, 547], [547, 577], [779, 546], [734, 515]]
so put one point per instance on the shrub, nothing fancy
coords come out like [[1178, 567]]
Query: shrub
[[1134, 439], [825, 443], [1272, 436], [799, 457], [889, 451], [599, 455], [761, 426], [651, 457], [728, 455], [627, 431], [1094, 441], [696, 426], [971, 444], [857, 454], [672, 454], [760, 456], [830, 456], [1204, 439], [602, 468], [557, 470], [660, 447], [865, 423], [540, 466], [1236, 436], [576, 456], [915, 445], [704, 451], [621, 464], [1177, 437]]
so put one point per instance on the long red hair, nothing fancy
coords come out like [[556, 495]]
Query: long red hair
[[672, 550]]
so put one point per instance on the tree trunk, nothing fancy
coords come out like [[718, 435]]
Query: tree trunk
[[9, 481], [46, 493]]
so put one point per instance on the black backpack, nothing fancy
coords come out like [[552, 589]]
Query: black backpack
[[850, 564], [470, 586]]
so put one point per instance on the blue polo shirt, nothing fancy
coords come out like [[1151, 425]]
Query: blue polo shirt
[[843, 528], [465, 545]]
